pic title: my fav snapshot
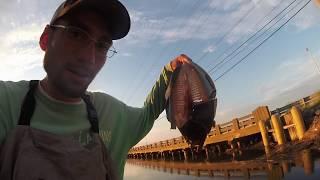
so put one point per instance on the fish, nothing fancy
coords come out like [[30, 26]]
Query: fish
[[191, 103]]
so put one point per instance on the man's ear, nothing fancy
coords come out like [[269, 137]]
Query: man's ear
[[43, 42]]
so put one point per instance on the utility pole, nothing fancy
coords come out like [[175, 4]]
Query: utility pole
[[313, 59]]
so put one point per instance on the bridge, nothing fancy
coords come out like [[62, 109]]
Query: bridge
[[280, 125]]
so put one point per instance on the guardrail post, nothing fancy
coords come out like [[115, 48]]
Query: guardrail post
[[298, 122], [235, 124], [278, 129], [218, 132]]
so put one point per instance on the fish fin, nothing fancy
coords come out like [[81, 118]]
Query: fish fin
[[168, 92], [173, 125]]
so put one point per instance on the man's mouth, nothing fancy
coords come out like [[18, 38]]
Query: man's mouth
[[80, 73]]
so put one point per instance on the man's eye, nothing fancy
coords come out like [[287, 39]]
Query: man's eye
[[102, 46], [76, 34]]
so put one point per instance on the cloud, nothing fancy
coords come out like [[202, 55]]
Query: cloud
[[213, 20], [205, 23], [226, 5], [126, 54], [288, 76], [224, 114], [20, 52], [157, 134], [307, 18], [209, 49], [92, 89]]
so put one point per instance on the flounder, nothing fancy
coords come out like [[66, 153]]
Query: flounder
[[191, 103]]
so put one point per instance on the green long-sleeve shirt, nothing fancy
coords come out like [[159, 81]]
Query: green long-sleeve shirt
[[121, 126]]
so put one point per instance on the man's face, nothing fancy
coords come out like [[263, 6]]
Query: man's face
[[70, 65]]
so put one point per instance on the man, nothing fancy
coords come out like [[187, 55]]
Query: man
[[54, 128]]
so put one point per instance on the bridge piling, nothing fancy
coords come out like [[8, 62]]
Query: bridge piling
[[218, 148], [298, 121], [238, 144], [264, 133], [192, 154], [207, 151], [278, 129], [185, 154], [179, 155], [172, 155]]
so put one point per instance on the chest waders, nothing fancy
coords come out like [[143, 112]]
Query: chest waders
[[34, 154]]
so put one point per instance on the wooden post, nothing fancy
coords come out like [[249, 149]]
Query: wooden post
[[264, 133], [278, 129], [298, 121]]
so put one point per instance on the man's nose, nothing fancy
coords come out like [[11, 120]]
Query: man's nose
[[88, 53]]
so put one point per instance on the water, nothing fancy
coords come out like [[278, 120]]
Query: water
[[304, 165]]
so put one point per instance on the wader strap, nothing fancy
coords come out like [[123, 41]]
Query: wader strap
[[29, 104], [92, 113]]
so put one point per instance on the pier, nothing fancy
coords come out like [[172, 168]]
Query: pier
[[277, 126]]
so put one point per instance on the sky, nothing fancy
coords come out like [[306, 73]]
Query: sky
[[216, 34]]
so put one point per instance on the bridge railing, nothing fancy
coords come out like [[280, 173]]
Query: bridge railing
[[244, 122], [226, 127], [303, 103]]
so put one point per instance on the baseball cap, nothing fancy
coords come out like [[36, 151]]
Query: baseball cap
[[114, 12]]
